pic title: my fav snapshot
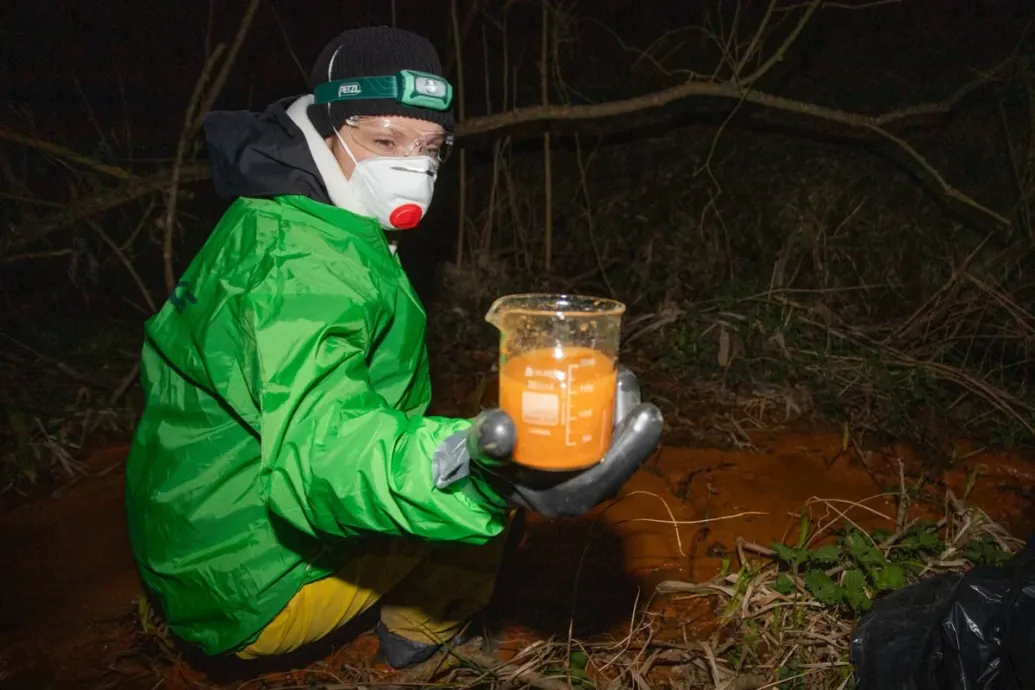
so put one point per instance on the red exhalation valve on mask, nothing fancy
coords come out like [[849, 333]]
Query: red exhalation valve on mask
[[406, 217]]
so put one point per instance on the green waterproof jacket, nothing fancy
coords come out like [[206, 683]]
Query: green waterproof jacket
[[286, 381]]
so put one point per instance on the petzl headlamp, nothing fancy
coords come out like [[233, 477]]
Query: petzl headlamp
[[409, 87]]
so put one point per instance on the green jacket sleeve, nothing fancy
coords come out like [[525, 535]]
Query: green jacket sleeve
[[337, 459]]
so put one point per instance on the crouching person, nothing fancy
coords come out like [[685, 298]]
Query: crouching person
[[284, 478]]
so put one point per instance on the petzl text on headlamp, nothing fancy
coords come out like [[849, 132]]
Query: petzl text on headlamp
[[409, 87]]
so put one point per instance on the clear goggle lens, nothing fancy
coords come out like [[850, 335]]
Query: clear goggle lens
[[383, 137]]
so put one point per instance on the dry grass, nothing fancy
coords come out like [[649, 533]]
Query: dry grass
[[842, 292], [795, 639], [53, 410], [774, 626]]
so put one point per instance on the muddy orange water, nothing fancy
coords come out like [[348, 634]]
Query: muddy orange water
[[562, 405], [66, 601]]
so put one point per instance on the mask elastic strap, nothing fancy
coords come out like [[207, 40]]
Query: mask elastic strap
[[346, 147]]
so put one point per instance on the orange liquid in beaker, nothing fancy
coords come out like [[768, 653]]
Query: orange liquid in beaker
[[562, 403]]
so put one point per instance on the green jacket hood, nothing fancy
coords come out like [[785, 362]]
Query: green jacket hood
[[261, 155]]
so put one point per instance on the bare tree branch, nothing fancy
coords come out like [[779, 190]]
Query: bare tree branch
[[701, 89], [756, 39], [63, 152], [878, 125], [132, 190], [781, 52], [192, 124], [231, 57], [190, 118]]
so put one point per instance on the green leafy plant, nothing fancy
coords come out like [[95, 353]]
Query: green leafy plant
[[850, 572], [986, 551], [578, 662]]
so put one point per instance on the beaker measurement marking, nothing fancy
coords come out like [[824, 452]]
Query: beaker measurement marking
[[568, 394], [543, 373]]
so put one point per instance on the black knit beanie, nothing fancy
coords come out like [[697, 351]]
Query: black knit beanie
[[373, 52]]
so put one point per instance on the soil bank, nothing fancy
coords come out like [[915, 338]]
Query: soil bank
[[70, 584]]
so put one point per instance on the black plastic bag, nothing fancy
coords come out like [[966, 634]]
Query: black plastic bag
[[973, 631]]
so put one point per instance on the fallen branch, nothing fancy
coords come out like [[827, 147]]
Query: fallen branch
[[63, 152], [871, 124], [875, 124], [28, 256], [132, 190], [703, 89]]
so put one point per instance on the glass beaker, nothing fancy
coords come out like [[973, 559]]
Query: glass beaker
[[558, 374]]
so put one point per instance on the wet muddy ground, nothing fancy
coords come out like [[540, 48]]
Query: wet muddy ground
[[70, 585]]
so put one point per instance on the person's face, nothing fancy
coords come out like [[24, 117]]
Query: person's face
[[387, 136]]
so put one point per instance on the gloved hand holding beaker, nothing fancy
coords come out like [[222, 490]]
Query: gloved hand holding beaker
[[571, 427]]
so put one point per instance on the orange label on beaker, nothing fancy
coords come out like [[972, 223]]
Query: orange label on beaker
[[562, 403]]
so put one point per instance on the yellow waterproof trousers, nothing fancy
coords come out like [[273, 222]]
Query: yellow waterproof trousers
[[427, 593]]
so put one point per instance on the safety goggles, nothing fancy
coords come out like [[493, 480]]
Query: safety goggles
[[384, 137]]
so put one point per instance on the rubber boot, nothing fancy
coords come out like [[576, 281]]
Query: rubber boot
[[401, 653]]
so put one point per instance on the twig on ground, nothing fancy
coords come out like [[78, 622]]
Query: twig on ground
[[903, 497]]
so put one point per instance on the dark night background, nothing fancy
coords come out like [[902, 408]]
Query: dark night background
[[112, 79], [779, 268]]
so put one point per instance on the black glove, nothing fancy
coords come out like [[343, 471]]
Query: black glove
[[484, 450]]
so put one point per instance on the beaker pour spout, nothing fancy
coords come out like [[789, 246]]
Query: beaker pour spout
[[498, 308]]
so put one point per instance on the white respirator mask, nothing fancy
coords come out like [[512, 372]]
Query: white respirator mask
[[395, 190]]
